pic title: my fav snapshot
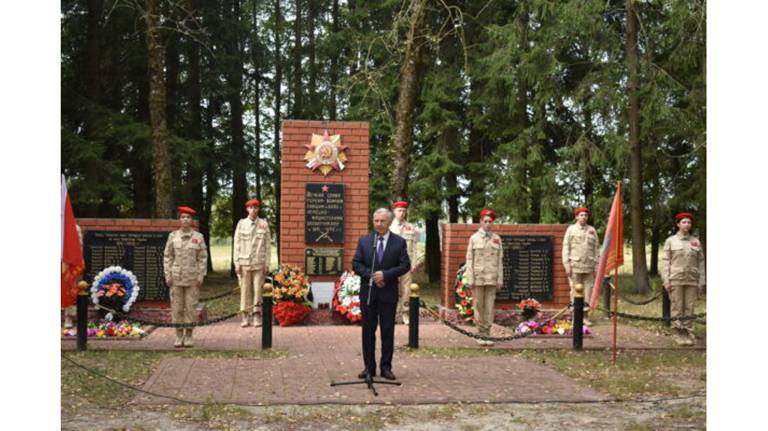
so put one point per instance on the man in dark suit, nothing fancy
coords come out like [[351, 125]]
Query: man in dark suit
[[381, 258]]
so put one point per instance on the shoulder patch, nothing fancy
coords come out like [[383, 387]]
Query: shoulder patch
[[262, 225], [695, 243], [497, 241]]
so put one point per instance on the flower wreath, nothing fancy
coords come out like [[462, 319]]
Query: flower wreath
[[115, 287], [346, 297], [465, 299], [290, 294]]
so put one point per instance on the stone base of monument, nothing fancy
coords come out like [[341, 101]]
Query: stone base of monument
[[153, 311]]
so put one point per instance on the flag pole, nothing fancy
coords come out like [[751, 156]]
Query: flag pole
[[616, 278]]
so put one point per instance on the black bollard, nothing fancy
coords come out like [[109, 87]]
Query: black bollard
[[666, 308], [82, 317], [266, 317], [578, 317], [413, 317]]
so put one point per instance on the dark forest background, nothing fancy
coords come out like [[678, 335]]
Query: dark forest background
[[530, 107]]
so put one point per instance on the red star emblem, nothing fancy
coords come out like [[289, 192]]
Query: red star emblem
[[324, 188]]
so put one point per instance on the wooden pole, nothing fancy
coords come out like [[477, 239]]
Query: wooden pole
[[616, 279]]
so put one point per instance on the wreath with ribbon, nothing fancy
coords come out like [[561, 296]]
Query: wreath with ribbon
[[115, 288], [346, 297], [464, 298]]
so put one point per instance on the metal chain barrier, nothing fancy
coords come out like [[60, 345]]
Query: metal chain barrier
[[643, 302], [478, 336], [221, 295], [122, 315], [325, 402], [650, 318]]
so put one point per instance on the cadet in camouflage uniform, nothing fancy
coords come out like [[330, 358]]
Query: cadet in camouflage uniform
[[682, 272], [485, 272], [406, 230], [581, 251], [185, 266], [71, 311], [253, 252]]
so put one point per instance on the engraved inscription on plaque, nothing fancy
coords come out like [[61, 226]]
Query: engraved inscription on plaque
[[323, 261], [528, 268], [138, 252], [324, 214]]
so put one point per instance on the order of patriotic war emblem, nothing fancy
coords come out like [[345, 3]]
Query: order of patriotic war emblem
[[326, 153]]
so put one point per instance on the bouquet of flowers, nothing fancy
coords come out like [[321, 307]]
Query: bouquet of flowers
[[290, 294], [529, 308], [346, 297], [464, 298], [109, 328], [550, 327], [115, 288]]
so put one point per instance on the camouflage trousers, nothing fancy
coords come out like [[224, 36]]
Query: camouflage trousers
[[683, 299], [405, 294], [183, 303], [484, 307], [251, 283]]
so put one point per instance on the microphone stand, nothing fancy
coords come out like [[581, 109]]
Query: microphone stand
[[368, 380]]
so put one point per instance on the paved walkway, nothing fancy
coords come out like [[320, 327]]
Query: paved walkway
[[320, 355], [297, 339]]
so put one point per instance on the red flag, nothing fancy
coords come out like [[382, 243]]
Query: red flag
[[72, 262], [612, 253]]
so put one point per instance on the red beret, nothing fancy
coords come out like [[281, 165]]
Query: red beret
[[681, 216], [487, 212], [580, 210], [186, 210], [253, 203], [400, 204]]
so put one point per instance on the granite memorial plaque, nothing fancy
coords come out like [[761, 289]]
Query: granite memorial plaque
[[138, 252], [324, 261], [528, 268], [324, 214]]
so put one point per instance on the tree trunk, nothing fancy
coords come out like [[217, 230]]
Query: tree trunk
[[194, 180], [432, 248], [656, 224], [297, 111], [520, 120], [239, 160], [178, 192], [314, 110], [411, 73], [93, 94], [256, 100], [277, 125], [211, 183], [640, 268], [334, 77], [161, 156], [141, 167]]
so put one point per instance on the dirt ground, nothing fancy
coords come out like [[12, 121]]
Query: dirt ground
[[675, 414]]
